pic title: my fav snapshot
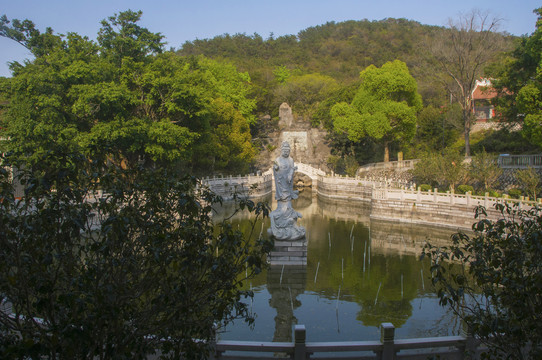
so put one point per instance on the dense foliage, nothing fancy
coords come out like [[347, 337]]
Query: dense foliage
[[339, 50], [313, 70], [342, 50], [384, 107], [111, 252], [103, 262], [497, 288], [125, 96], [444, 171], [520, 81]]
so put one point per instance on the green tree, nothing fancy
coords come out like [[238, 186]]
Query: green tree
[[529, 181], [520, 84], [26, 34], [384, 107], [426, 171], [496, 285], [305, 93], [122, 38], [446, 170], [322, 115], [484, 169], [452, 169], [281, 73], [438, 128], [125, 96], [117, 263]]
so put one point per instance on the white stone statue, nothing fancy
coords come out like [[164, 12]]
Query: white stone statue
[[284, 217]]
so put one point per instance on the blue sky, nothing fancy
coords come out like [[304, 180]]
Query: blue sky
[[187, 20]]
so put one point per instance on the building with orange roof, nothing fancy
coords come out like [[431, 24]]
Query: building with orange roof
[[482, 95]]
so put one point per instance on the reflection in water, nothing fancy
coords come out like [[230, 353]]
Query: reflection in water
[[285, 284], [374, 264]]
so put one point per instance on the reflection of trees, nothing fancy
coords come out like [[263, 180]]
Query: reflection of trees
[[395, 311], [382, 284], [384, 272], [284, 297]]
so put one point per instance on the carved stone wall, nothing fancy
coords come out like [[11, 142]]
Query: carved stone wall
[[308, 144]]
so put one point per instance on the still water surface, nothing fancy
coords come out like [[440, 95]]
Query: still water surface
[[359, 274]]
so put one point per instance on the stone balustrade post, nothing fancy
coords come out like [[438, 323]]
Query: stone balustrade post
[[452, 197], [486, 200], [468, 198], [435, 194], [387, 338], [470, 343], [300, 345], [419, 195]]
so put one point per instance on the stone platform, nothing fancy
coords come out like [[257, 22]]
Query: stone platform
[[291, 252]]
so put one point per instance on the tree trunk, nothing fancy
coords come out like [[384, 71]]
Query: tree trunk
[[467, 121], [386, 151]]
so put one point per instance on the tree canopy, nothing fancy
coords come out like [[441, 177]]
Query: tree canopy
[[384, 108], [520, 84], [125, 96]]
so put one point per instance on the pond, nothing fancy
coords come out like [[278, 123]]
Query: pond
[[359, 274]]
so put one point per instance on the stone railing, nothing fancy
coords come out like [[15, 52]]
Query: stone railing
[[388, 348], [393, 201], [344, 188], [388, 200], [386, 193], [434, 208], [353, 188], [310, 171], [396, 165], [248, 185]]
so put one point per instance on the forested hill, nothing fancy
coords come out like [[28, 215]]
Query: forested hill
[[338, 50]]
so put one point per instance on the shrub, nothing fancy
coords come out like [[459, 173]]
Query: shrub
[[496, 290], [493, 193], [425, 187], [515, 193], [529, 181], [351, 166], [463, 189]]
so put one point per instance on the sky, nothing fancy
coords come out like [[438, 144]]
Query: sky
[[186, 20]]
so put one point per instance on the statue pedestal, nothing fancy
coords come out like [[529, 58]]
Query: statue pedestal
[[290, 252]]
